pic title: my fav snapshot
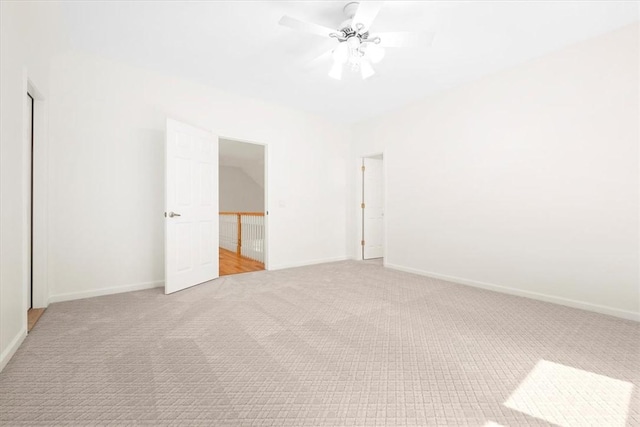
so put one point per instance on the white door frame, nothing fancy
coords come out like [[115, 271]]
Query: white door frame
[[266, 191], [40, 186], [358, 200]]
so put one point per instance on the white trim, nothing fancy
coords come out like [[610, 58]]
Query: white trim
[[12, 348], [358, 255], [265, 207], [310, 262], [41, 206], [602, 309], [25, 185], [70, 296]]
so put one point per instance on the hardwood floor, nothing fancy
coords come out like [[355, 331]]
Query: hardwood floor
[[231, 263], [33, 315]]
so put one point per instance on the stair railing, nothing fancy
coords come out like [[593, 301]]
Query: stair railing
[[243, 233]]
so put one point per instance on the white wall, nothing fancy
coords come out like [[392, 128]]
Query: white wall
[[106, 173], [238, 192], [526, 179], [28, 37]]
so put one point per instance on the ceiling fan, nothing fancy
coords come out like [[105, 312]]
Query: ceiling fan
[[357, 48]]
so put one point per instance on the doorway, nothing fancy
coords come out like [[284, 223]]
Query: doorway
[[372, 207], [243, 215], [33, 313]]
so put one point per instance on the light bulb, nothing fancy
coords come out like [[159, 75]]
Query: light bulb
[[353, 42], [375, 53], [341, 53], [336, 70]]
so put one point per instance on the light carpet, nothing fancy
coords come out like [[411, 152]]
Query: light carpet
[[341, 344]]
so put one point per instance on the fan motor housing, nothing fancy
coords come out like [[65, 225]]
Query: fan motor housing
[[350, 9]]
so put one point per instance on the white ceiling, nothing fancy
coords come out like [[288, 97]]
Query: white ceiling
[[239, 46]]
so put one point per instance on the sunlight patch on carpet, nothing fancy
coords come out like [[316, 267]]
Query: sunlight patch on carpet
[[567, 396]]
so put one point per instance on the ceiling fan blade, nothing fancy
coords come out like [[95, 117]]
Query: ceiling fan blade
[[374, 52], [366, 14], [324, 57], [403, 38], [306, 27], [316, 56]]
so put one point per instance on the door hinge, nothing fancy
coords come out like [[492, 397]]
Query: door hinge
[[362, 205], [361, 242], [362, 168]]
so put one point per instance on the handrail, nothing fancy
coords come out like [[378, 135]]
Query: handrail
[[243, 213]]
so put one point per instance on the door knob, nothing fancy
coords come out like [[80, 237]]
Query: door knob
[[172, 214]]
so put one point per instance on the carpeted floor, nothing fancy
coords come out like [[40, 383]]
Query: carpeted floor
[[341, 344]]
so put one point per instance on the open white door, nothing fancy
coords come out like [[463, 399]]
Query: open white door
[[372, 209], [191, 203]]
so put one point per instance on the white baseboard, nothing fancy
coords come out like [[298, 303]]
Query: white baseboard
[[69, 296], [602, 309], [306, 263], [8, 353]]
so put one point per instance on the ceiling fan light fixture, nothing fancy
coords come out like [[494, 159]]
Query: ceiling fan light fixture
[[353, 42], [341, 53], [336, 70], [357, 47]]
